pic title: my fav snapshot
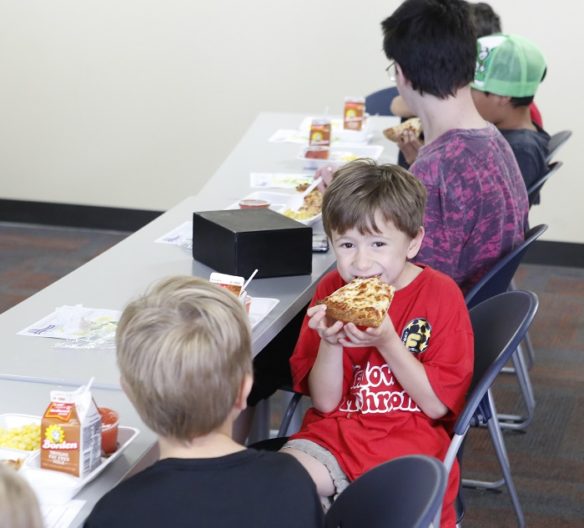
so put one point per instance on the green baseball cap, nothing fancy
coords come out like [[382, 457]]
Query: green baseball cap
[[508, 65]]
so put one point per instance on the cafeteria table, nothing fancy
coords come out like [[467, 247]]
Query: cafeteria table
[[31, 366]]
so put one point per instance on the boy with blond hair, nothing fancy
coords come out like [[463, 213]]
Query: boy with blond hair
[[19, 507], [184, 353], [380, 393]]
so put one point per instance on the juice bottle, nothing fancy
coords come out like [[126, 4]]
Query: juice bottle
[[354, 113], [320, 133]]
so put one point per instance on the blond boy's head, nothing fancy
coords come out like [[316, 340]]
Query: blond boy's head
[[183, 350], [19, 507], [363, 188]]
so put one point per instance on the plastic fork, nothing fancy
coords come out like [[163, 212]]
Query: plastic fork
[[296, 200]]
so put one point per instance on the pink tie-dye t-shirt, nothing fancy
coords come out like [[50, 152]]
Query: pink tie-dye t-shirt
[[477, 202]]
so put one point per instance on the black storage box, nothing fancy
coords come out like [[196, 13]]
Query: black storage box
[[237, 241]]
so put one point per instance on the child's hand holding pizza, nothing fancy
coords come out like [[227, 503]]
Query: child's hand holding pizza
[[328, 330]]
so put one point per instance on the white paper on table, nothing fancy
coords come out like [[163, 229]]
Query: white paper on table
[[260, 308], [288, 136], [74, 322], [61, 515], [180, 236], [279, 180]]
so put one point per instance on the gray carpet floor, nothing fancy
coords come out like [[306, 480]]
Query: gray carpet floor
[[547, 461]]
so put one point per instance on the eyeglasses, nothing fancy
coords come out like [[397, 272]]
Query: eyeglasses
[[390, 70]]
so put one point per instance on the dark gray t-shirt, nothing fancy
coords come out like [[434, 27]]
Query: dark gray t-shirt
[[530, 148]]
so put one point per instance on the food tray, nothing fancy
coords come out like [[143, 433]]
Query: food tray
[[10, 421], [55, 487], [340, 155], [7, 453], [278, 201]]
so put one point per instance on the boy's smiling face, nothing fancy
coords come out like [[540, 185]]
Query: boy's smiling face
[[385, 253]]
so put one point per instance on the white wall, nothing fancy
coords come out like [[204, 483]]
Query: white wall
[[135, 103]]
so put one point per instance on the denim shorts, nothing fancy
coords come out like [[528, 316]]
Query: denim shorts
[[324, 456]]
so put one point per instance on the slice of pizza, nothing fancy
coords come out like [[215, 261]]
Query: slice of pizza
[[414, 124], [363, 301]]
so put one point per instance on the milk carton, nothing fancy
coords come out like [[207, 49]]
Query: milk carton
[[71, 433]]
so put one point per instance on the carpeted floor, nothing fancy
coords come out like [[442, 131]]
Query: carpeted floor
[[547, 461]]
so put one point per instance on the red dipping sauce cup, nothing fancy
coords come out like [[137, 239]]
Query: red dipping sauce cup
[[250, 203], [109, 430]]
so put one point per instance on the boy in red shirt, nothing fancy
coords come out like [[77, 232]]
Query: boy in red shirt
[[380, 393]]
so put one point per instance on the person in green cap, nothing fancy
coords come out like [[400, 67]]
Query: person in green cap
[[508, 72]]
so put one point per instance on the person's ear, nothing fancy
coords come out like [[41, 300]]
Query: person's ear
[[416, 243], [503, 100], [244, 390], [399, 74]]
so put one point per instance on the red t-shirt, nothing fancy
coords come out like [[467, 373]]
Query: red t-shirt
[[535, 115], [376, 419]]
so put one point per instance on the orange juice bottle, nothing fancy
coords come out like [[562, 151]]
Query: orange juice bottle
[[320, 133], [354, 113]]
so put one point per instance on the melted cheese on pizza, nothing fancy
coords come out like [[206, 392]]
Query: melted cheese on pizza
[[363, 302], [414, 124]]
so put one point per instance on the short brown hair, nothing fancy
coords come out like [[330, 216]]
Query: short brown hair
[[183, 350], [362, 187]]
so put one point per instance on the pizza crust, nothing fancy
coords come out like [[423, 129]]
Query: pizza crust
[[414, 124], [363, 301]]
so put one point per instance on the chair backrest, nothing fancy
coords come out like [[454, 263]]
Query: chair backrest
[[499, 325], [406, 492], [533, 191], [378, 103], [498, 279], [556, 141]]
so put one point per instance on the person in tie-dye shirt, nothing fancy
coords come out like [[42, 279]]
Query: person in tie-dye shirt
[[477, 202]]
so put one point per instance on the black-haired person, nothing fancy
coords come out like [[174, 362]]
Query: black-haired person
[[477, 202]]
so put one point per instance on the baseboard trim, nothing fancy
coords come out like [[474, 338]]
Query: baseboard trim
[[71, 215], [550, 253], [543, 252]]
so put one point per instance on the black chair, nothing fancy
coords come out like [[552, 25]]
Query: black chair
[[406, 492], [499, 325], [378, 103], [498, 280], [533, 190], [555, 142]]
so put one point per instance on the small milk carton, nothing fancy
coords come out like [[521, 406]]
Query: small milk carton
[[71, 433]]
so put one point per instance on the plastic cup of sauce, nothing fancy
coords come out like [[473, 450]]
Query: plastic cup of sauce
[[249, 203], [109, 430]]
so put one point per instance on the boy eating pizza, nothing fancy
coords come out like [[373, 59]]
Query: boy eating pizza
[[392, 388]]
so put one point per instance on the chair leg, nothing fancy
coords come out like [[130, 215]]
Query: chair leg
[[503, 458], [505, 468], [289, 414], [530, 352], [497, 440], [515, 421]]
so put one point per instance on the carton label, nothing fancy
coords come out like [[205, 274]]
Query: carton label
[[70, 435]]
